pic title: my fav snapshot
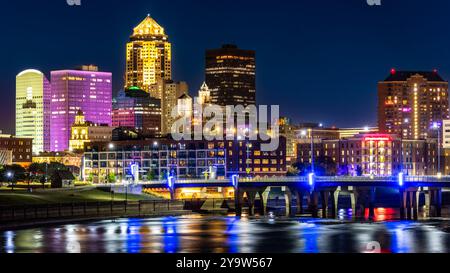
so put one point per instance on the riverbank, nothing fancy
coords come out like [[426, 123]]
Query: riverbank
[[82, 194]]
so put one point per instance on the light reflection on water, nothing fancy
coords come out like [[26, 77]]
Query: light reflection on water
[[193, 234]]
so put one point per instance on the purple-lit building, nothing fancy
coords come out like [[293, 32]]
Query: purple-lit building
[[85, 89]]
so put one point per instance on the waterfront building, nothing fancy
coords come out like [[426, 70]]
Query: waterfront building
[[85, 89], [410, 102], [372, 154], [148, 58], [83, 132], [33, 108], [17, 150], [230, 74], [135, 109], [196, 159]]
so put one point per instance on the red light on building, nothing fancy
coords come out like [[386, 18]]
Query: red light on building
[[377, 138], [393, 71]]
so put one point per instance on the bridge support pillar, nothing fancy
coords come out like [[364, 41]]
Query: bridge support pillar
[[372, 192], [354, 201], [264, 200], [313, 204], [414, 199], [427, 202], [299, 201], [238, 202], [433, 202], [334, 202], [324, 196], [288, 201], [408, 205], [251, 196], [403, 203], [438, 202]]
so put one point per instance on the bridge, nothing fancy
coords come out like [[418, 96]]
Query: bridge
[[326, 189]]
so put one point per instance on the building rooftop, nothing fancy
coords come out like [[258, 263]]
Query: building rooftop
[[148, 27], [431, 76]]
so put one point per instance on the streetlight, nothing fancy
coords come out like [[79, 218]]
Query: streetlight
[[111, 146], [437, 126], [9, 176]]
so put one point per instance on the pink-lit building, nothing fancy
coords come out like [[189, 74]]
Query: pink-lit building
[[85, 89]]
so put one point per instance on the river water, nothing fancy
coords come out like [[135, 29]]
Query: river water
[[228, 234]]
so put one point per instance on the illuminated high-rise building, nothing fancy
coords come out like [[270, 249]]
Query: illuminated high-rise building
[[172, 91], [85, 89], [148, 58], [135, 109], [230, 76], [410, 102], [33, 108]]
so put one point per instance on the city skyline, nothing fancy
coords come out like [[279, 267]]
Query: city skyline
[[301, 97]]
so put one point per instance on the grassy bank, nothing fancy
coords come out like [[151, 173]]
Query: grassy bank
[[22, 197]]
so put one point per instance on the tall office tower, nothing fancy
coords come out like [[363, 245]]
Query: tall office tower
[[230, 76], [169, 101], [33, 108], [148, 57], [409, 102], [85, 89], [135, 109]]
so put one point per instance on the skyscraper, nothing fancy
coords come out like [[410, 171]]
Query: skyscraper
[[409, 102], [33, 108], [230, 76], [172, 91], [148, 57], [85, 89], [135, 109]]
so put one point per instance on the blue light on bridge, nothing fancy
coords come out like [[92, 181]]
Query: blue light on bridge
[[311, 179], [401, 178], [171, 181], [235, 180]]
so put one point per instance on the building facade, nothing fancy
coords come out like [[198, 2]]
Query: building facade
[[85, 89], [193, 159], [372, 154], [148, 57], [409, 102], [169, 102], [33, 108], [137, 110], [20, 149], [230, 74], [84, 132]]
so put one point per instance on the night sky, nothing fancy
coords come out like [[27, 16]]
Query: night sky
[[320, 60]]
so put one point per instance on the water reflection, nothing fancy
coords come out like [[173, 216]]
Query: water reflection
[[193, 234]]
